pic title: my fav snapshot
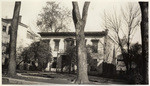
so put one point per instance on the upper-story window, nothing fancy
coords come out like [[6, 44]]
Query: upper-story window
[[56, 48], [68, 42], [95, 45], [9, 30], [4, 28], [85, 41]]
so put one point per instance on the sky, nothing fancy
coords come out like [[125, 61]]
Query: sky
[[31, 9]]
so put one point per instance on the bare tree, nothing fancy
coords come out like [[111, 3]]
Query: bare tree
[[13, 39], [131, 16], [144, 34], [82, 76], [53, 17], [114, 23]]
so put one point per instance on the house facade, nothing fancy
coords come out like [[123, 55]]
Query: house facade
[[60, 40], [25, 36]]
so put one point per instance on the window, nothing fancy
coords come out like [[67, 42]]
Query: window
[[68, 42], [95, 45], [56, 48], [85, 41], [4, 28], [9, 30]]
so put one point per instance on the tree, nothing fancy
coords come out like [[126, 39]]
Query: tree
[[72, 55], [53, 18], [43, 54], [82, 76], [39, 52], [131, 16], [135, 57], [13, 38], [136, 54], [144, 34], [113, 22]]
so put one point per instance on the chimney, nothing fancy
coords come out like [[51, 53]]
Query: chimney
[[20, 18]]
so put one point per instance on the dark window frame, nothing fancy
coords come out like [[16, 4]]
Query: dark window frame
[[95, 45], [56, 47], [9, 30], [4, 28]]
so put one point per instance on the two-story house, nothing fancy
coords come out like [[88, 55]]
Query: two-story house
[[25, 36], [59, 42]]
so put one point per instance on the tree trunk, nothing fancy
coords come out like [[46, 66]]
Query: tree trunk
[[13, 39], [128, 48], [82, 72], [144, 34], [125, 59]]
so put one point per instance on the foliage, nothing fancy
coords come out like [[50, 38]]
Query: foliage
[[53, 17], [5, 49], [71, 52], [43, 54], [135, 53], [39, 52], [5, 55], [136, 56]]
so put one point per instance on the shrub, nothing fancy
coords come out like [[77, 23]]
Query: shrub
[[72, 56], [37, 52]]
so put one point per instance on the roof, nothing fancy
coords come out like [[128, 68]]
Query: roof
[[9, 21], [24, 25], [94, 34]]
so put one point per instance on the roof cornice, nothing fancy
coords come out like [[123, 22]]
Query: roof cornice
[[48, 34]]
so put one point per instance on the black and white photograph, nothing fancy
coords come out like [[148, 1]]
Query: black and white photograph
[[65, 42]]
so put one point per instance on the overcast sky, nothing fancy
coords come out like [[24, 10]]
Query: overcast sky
[[31, 9]]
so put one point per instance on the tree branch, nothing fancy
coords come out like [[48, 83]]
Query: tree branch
[[85, 11], [75, 12]]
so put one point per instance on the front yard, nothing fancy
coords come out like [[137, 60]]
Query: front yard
[[58, 78]]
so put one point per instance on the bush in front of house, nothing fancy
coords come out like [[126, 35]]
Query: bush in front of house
[[72, 56], [36, 56], [5, 55], [134, 75]]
